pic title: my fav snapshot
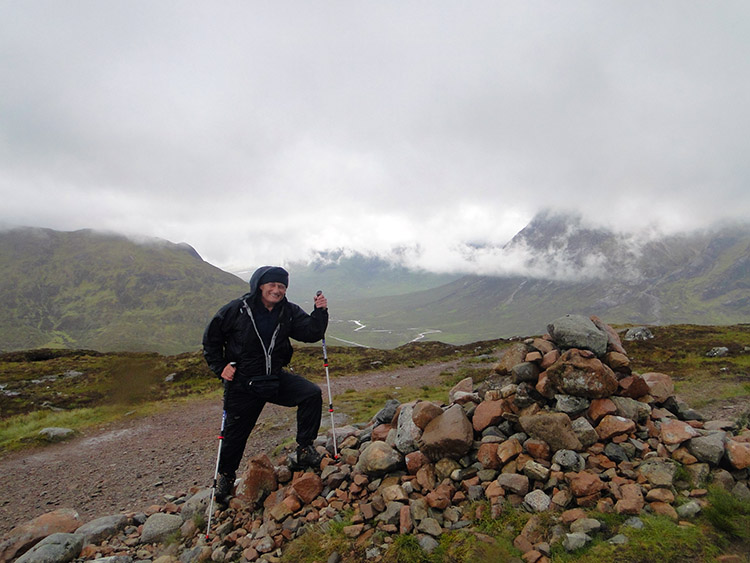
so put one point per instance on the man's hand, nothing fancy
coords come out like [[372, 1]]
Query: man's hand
[[320, 301], [228, 372]]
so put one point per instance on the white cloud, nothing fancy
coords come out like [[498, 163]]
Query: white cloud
[[260, 132]]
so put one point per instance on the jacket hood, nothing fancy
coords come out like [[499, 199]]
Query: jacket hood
[[256, 277]]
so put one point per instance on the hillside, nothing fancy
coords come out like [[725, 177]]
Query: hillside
[[85, 289], [355, 276], [109, 293], [702, 278]]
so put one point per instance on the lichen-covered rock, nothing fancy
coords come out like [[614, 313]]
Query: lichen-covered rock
[[577, 373], [159, 526], [379, 458], [709, 448], [577, 331], [56, 548], [512, 356]]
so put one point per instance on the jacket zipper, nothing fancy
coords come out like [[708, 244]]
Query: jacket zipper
[[268, 351]]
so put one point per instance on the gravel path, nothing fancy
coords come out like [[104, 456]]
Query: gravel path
[[132, 464]]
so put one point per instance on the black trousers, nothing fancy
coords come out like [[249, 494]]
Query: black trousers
[[244, 403]]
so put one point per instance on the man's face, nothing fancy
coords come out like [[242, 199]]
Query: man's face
[[272, 293]]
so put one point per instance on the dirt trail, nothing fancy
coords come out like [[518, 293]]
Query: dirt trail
[[132, 464]]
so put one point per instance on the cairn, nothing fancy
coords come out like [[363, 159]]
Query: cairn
[[562, 425]]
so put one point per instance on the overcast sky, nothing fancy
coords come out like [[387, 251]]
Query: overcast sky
[[258, 132]]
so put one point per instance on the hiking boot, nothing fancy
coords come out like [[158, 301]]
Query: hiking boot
[[224, 488], [308, 456]]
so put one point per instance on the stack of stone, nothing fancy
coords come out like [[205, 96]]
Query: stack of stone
[[563, 425]]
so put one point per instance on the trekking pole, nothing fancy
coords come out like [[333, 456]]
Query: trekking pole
[[216, 475], [330, 400]]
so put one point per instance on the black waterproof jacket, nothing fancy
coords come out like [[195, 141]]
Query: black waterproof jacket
[[231, 336]]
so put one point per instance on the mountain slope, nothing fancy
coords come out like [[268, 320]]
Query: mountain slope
[[351, 275], [106, 292], [702, 278], [102, 291]]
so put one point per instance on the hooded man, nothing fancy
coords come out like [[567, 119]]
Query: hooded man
[[247, 345]]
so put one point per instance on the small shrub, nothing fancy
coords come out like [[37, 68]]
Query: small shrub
[[406, 549], [199, 519], [728, 514], [509, 522]]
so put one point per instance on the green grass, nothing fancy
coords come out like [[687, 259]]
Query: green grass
[[363, 405], [320, 541], [23, 430], [79, 389], [660, 540], [680, 352], [82, 389], [728, 514]]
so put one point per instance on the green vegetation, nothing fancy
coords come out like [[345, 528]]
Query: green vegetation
[[102, 291], [78, 389], [728, 514], [320, 541], [680, 351], [81, 389], [491, 539], [660, 539]]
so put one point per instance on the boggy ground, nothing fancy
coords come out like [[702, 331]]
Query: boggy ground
[[132, 464]]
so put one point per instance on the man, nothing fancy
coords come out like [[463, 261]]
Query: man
[[247, 345]]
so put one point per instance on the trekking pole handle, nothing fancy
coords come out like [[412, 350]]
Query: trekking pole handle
[[319, 293]]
